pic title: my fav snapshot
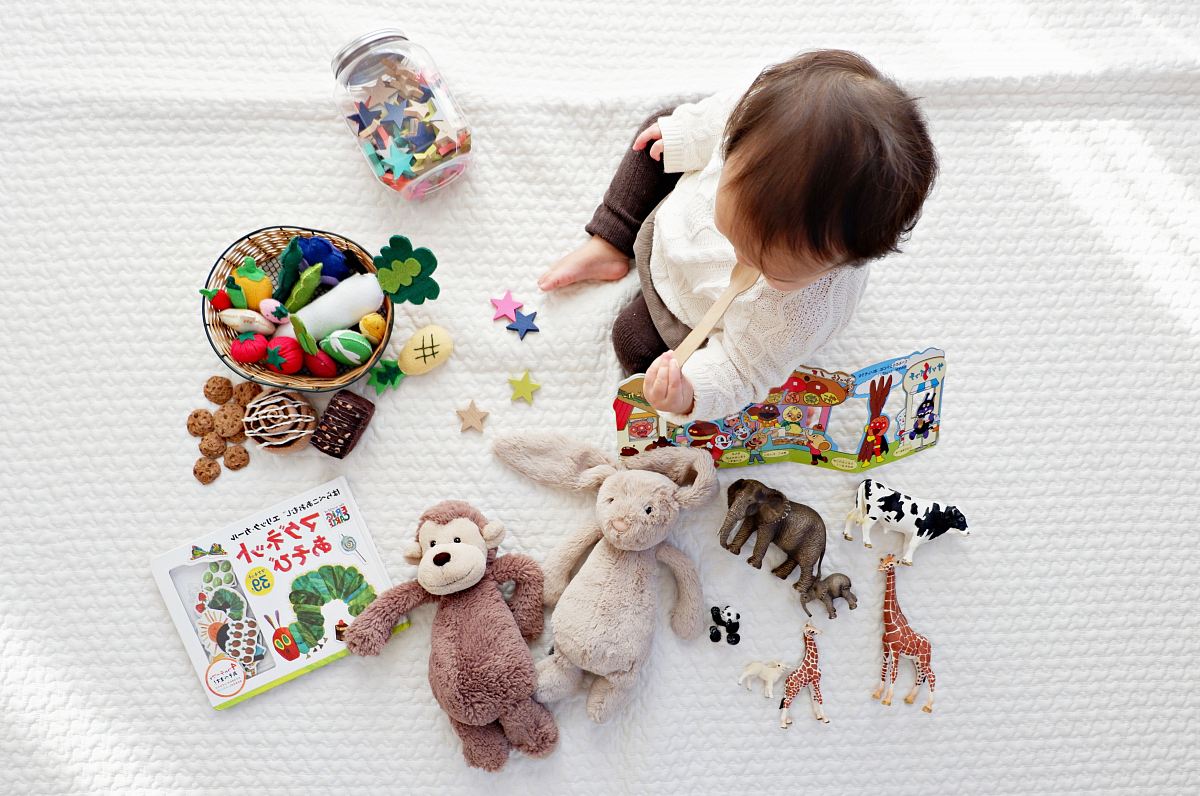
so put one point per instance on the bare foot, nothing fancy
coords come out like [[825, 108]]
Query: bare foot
[[595, 260]]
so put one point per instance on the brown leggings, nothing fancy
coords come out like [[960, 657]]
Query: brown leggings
[[636, 189]]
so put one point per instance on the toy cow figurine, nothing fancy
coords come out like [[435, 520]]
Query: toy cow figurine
[[918, 519], [795, 528]]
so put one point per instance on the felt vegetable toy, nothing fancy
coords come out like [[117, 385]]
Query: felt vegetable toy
[[333, 262], [300, 332], [405, 273], [289, 270], [236, 297], [284, 355], [245, 321], [248, 347], [604, 617], [340, 308], [349, 348], [219, 299], [253, 281], [320, 365], [305, 287], [273, 311], [480, 669], [428, 347], [373, 326]]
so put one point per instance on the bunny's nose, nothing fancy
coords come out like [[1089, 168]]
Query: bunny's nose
[[620, 525], [441, 559]]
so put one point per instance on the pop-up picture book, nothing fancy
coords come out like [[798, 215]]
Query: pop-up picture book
[[892, 409], [267, 598]]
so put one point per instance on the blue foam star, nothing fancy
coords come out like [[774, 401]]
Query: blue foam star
[[393, 113], [523, 324], [363, 116], [421, 137]]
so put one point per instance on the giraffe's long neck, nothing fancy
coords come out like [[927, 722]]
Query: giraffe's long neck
[[892, 616], [810, 650]]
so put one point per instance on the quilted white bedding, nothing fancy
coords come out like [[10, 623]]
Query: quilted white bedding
[[1056, 265]]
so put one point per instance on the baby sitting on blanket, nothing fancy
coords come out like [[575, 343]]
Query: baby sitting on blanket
[[821, 166]]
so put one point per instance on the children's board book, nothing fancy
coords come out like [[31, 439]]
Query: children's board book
[[267, 598], [834, 419]]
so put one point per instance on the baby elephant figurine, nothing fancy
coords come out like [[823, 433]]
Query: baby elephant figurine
[[827, 590], [795, 528], [605, 614], [770, 672]]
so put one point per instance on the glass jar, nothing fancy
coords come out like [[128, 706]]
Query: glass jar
[[407, 124]]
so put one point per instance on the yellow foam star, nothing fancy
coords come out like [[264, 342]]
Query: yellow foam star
[[523, 388]]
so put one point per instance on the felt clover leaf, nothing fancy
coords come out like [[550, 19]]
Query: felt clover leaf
[[405, 273], [385, 376]]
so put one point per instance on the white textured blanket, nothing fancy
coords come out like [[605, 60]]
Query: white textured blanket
[[1056, 264]]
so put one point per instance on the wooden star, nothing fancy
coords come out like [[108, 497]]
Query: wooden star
[[524, 388], [471, 418], [417, 110], [381, 91]]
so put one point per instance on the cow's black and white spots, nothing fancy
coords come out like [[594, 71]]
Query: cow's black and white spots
[[924, 519]]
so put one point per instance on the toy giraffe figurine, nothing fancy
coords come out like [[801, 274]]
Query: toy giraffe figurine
[[901, 640], [808, 675]]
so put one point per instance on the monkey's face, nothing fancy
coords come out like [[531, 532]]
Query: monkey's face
[[453, 557]]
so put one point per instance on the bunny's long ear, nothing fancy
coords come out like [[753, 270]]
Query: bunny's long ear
[[691, 468], [555, 460]]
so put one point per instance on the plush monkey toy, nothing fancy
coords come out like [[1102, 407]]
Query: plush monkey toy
[[480, 669]]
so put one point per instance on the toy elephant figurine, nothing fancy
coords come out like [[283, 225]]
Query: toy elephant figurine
[[826, 590], [795, 528], [605, 614]]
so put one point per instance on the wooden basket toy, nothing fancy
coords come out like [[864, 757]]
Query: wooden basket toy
[[265, 245]]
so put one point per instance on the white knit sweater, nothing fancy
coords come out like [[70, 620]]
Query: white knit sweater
[[766, 333]]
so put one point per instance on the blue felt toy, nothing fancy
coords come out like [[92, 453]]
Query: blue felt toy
[[333, 262]]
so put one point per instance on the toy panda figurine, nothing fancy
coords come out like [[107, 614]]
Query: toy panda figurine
[[725, 618]]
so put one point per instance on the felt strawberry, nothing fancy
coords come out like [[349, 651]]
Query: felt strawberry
[[320, 365], [218, 298], [284, 355], [248, 347]]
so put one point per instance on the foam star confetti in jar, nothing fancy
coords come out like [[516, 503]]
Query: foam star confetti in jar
[[408, 126]]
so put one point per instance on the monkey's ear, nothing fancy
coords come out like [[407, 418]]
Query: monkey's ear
[[412, 552], [493, 533]]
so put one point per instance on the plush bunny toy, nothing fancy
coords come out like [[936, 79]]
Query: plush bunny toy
[[604, 617]]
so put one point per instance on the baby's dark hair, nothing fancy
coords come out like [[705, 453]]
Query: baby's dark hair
[[830, 157]]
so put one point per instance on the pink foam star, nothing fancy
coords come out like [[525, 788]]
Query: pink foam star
[[506, 307]]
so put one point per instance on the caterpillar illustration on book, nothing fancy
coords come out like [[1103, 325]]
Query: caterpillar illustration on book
[[310, 593], [227, 627]]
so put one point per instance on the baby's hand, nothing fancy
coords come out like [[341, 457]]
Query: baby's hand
[[666, 388], [651, 133]]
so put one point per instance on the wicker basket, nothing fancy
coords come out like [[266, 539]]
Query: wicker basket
[[265, 245]]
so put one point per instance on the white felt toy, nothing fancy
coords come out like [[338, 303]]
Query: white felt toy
[[340, 308], [245, 321]]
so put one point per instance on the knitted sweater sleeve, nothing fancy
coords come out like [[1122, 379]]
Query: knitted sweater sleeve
[[766, 334], [692, 132]]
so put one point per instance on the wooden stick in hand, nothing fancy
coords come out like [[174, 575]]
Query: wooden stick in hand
[[740, 280]]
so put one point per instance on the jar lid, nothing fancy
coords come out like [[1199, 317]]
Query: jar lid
[[359, 46]]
